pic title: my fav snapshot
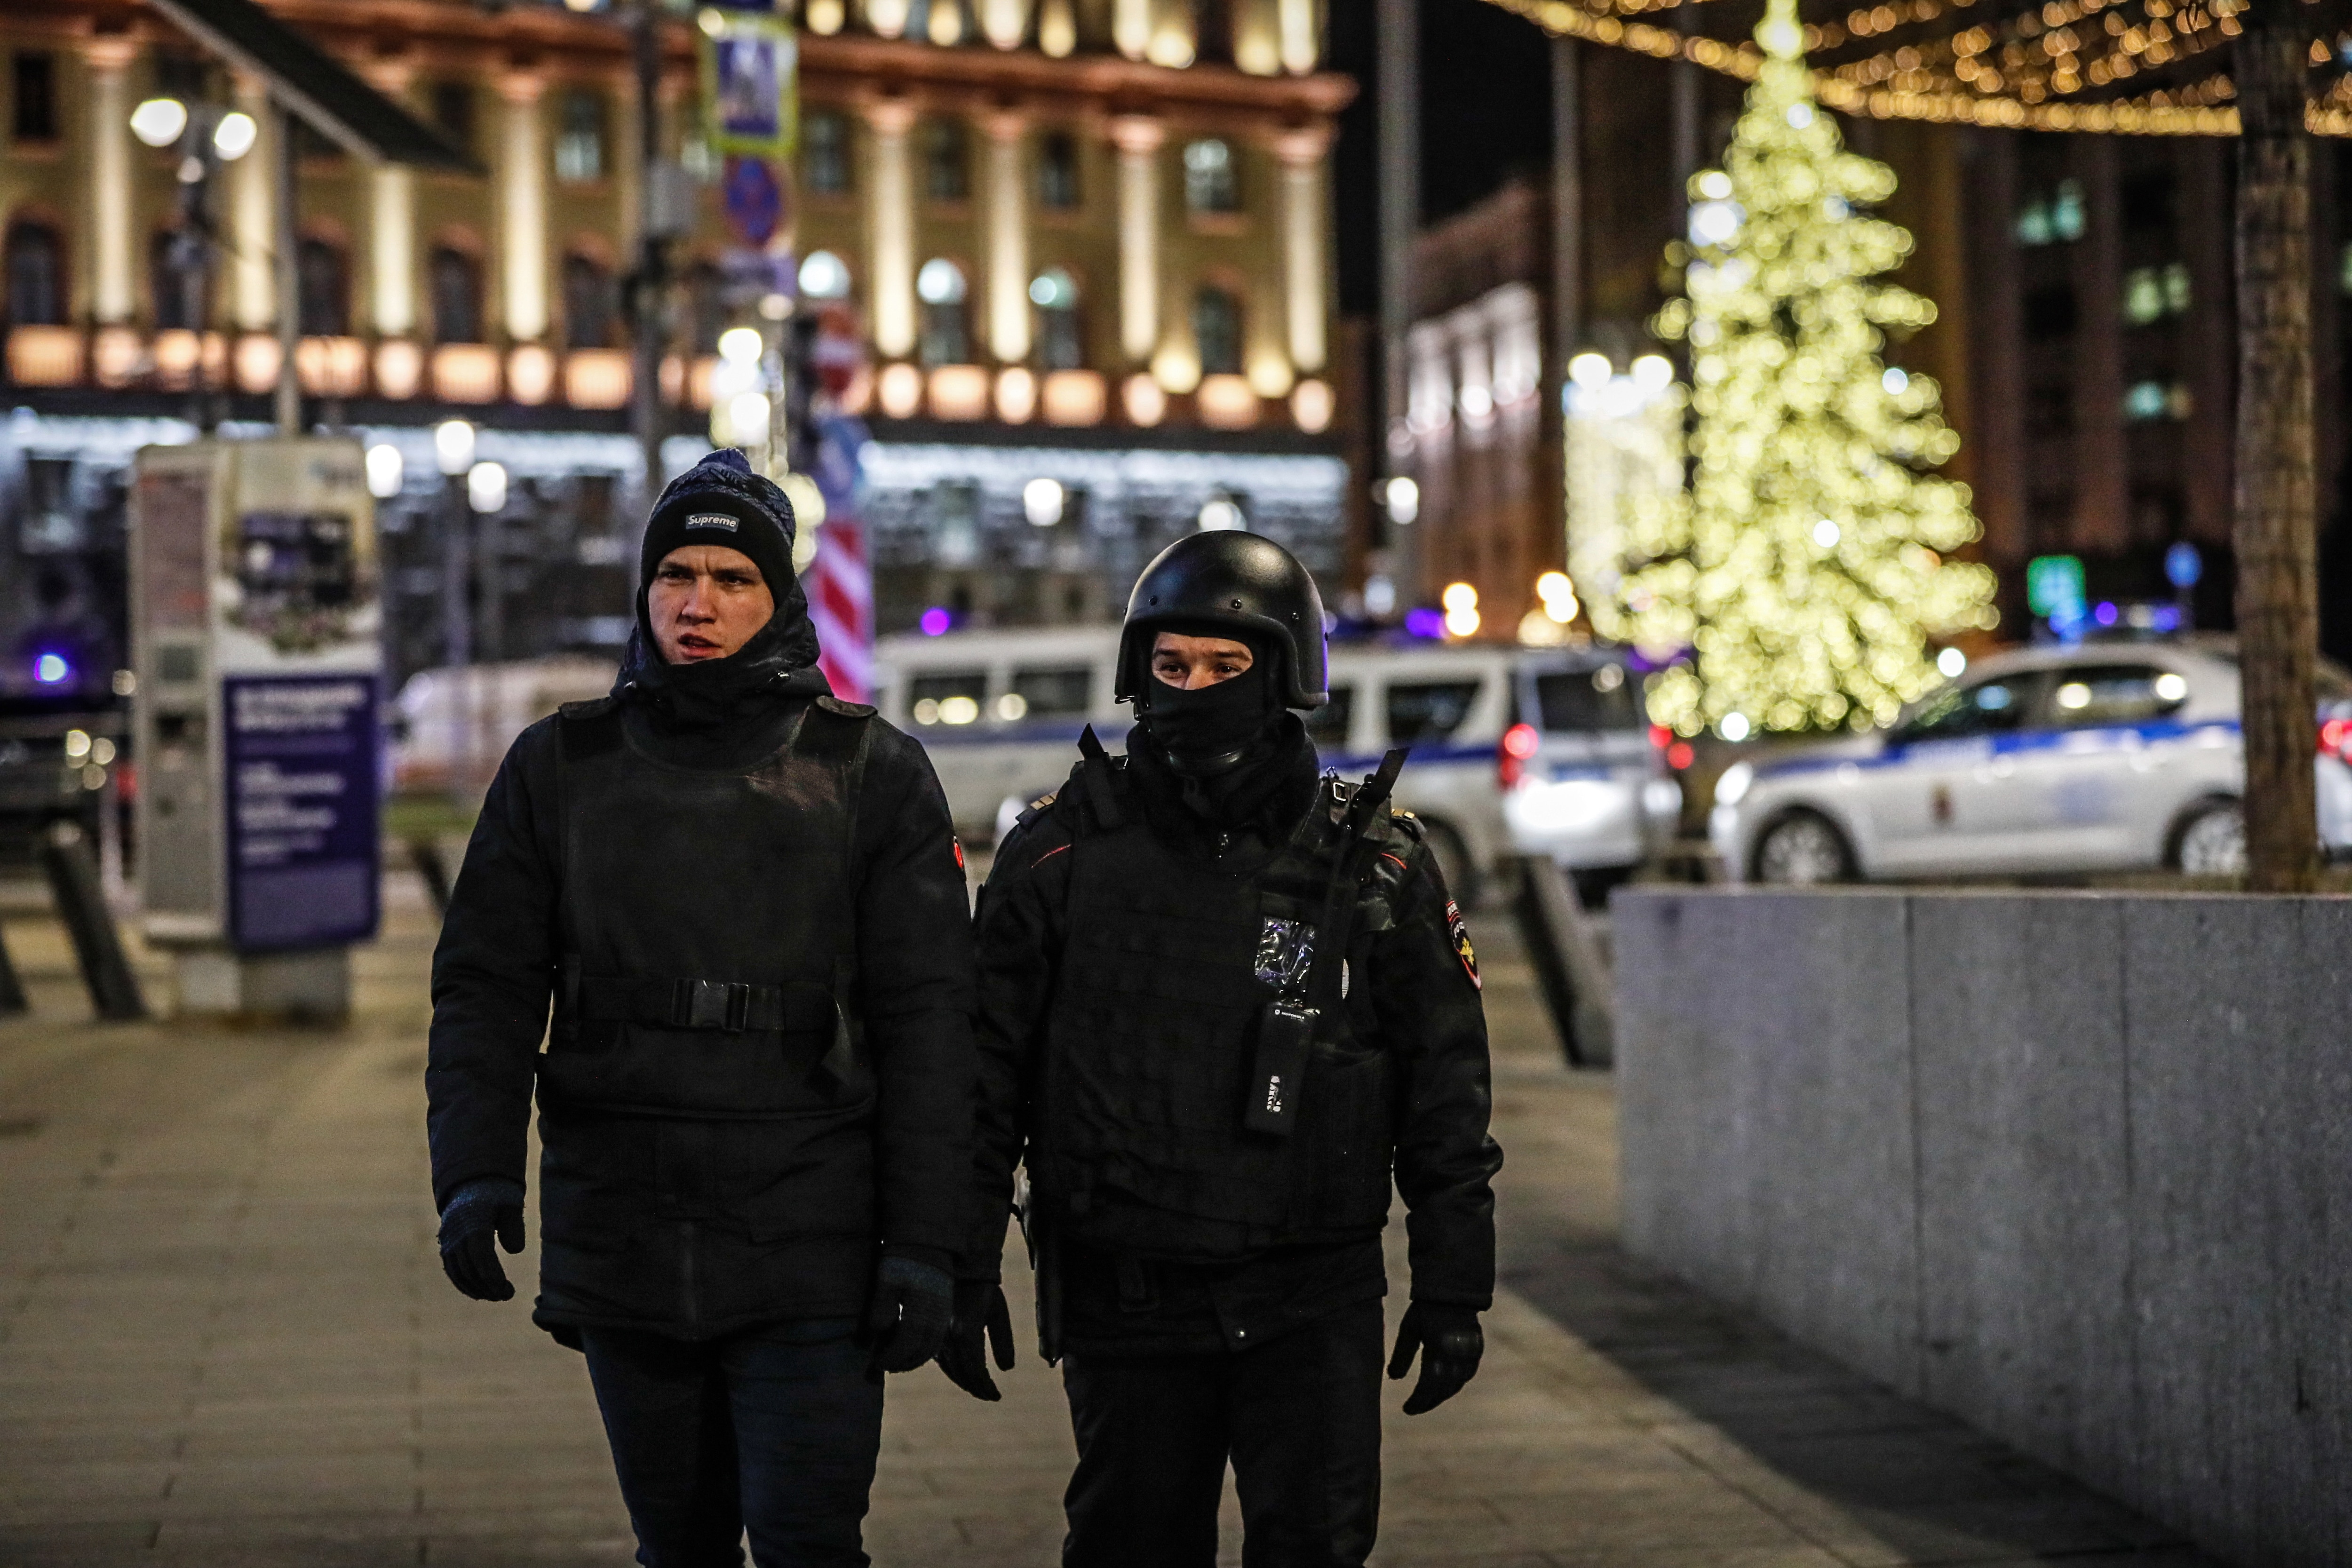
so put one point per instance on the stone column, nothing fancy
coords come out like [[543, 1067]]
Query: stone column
[[1007, 239], [392, 226], [113, 292], [1301, 154], [253, 217], [890, 212], [522, 207], [1138, 139], [1295, 24]]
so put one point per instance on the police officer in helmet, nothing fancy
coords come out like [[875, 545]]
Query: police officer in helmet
[[1224, 1001], [742, 901]]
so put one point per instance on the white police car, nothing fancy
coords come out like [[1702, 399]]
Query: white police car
[[2105, 756]]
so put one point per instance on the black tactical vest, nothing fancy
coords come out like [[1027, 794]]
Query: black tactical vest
[[1167, 971], [708, 917]]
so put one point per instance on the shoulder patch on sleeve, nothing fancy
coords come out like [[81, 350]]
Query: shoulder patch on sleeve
[[1457, 933]]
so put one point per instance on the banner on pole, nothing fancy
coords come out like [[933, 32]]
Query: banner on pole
[[841, 577]]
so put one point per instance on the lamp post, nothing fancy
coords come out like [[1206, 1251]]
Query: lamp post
[[207, 136]]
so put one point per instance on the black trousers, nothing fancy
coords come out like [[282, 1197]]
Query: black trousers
[[1299, 1418], [776, 1430]]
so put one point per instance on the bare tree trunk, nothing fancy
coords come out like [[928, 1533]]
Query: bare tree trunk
[[2278, 607]]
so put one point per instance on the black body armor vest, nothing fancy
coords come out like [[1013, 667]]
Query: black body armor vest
[[1170, 968], [708, 917]]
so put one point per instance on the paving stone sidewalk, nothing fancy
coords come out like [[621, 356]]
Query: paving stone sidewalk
[[225, 1339]]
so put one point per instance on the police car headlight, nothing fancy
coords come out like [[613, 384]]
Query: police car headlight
[[1733, 785]]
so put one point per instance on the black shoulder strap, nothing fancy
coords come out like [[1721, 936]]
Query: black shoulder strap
[[1096, 768], [848, 1032]]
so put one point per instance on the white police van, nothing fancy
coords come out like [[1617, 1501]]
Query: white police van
[[1514, 751], [2102, 756]]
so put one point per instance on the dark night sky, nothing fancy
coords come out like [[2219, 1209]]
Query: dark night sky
[[1486, 98]]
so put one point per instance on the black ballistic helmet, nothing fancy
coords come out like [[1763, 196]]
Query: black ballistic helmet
[[1228, 578]]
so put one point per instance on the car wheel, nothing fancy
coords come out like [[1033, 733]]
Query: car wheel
[[2212, 840], [1803, 850]]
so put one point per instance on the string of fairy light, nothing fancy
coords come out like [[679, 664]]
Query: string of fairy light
[[2023, 71]]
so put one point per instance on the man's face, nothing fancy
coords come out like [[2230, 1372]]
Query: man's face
[[1192, 663], [705, 601]]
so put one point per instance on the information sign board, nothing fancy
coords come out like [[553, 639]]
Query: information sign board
[[301, 775]]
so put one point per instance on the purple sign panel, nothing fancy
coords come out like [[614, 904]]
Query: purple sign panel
[[302, 810]]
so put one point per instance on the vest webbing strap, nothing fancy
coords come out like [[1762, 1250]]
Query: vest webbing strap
[[731, 1005]]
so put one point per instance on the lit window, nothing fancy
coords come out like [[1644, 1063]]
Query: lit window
[[824, 275], [825, 153], [1209, 182], [1060, 345], [2149, 400], [2152, 293], [2053, 218], [946, 332], [579, 139]]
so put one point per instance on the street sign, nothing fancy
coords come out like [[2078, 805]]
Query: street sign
[[751, 87]]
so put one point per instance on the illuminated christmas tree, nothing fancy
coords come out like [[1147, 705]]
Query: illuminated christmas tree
[[1806, 566]]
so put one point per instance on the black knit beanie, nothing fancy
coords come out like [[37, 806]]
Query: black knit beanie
[[721, 502]]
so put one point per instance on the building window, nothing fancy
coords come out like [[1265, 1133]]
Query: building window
[[34, 116], [1209, 182], [1057, 171], [2149, 400], [322, 290], [2152, 293], [36, 273], [453, 112], [1217, 331], [454, 280], [2051, 218], [580, 136], [824, 275], [175, 279], [947, 167], [946, 335], [2050, 312], [825, 153], [1060, 344], [588, 303]]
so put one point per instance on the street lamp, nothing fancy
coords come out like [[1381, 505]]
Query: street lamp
[[158, 121], [452, 447]]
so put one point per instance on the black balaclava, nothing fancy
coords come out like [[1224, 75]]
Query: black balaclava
[[781, 656], [1231, 752]]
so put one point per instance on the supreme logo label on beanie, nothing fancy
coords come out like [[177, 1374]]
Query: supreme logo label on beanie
[[721, 503]]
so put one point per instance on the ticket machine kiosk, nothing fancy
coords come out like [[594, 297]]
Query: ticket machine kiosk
[[256, 634]]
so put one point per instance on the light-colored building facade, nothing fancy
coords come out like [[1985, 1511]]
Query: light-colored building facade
[[1098, 228]]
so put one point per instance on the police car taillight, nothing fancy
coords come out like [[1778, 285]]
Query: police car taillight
[[1518, 744]]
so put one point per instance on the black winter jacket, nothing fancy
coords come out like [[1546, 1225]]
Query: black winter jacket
[[717, 1225], [1417, 997]]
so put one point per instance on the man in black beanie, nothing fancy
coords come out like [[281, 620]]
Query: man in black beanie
[[1222, 999], [744, 901]]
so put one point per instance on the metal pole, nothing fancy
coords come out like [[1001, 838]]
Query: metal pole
[[289, 292], [457, 635], [1398, 24], [648, 320], [1683, 108], [1567, 207], [81, 904]]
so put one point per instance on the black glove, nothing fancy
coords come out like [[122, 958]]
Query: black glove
[[1450, 1345], [913, 1303], [979, 1314], [482, 1207]]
